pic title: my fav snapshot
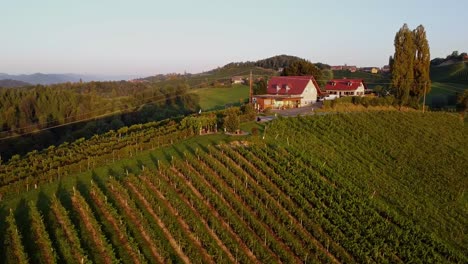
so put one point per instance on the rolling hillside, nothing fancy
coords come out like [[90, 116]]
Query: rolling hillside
[[447, 83], [454, 73], [370, 79], [338, 188]]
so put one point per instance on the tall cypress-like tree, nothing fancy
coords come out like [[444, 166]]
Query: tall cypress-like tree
[[403, 61], [422, 62]]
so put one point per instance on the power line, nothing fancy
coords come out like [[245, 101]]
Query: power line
[[82, 120], [95, 117]]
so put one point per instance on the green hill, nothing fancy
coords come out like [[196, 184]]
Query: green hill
[[343, 188], [454, 73]]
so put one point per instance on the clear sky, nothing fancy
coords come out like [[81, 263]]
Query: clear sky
[[146, 37]]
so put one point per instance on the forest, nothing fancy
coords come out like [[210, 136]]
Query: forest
[[86, 109]]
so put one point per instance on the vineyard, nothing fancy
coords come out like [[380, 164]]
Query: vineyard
[[385, 187]]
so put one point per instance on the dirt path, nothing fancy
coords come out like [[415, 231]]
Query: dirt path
[[95, 234], [122, 238], [161, 224], [244, 247], [131, 214]]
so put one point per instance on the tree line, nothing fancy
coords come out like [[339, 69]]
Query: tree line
[[102, 105]]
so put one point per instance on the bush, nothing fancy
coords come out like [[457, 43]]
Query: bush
[[254, 131], [232, 120], [248, 112], [357, 100], [327, 104]]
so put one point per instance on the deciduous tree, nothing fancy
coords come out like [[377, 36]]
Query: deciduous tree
[[302, 68], [403, 64], [422, 62]]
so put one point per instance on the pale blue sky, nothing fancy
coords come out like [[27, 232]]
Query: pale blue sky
[[146, 37]]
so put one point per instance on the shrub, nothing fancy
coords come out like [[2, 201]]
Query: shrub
[[254, 131], [327, 104]]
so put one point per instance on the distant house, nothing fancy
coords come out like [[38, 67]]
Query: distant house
[[385, 68], [344, 68], [370, 69], [346, 87], [288, 92], [237, 80]]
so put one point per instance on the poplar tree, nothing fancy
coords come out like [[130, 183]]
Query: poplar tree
[[403, 62], [422, 62]]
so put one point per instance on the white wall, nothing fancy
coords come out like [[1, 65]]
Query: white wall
[[309, 95]]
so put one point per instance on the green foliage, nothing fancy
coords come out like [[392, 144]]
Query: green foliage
[[58, 162], [410, 66], [302, 68], [113, 104], [198, 124], [217, 98], [335, 188], [403, 64], [40, 237], [260, 86], [248, 112], [277, 62], [327, 75], [462, 101], [370, 79], [14, 249], [422, 61], [453, 73], [232, 120]]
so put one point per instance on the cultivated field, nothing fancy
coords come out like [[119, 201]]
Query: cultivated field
[[339, 188]]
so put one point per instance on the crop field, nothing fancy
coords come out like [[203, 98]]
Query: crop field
[[382, 187]]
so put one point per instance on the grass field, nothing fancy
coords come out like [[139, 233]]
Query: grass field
[[212, 98]]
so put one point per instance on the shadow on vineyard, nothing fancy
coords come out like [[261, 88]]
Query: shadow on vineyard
[[340, 188]]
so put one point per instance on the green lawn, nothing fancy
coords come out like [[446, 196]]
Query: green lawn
[[212, 98]]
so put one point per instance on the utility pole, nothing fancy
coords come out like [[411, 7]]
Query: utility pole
[[251, 94], [424, 100]]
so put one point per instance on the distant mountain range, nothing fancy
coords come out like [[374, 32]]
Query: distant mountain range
[[7, 83], [41, 78]]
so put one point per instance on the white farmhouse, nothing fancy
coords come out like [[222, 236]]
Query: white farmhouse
[[289, 92]]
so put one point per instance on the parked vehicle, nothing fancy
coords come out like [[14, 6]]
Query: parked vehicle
[[329, 97]]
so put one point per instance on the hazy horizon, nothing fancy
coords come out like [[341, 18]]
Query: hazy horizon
[[142, 38]]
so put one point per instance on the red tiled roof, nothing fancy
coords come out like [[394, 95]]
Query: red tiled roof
[[344, 84], [296, 84]]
